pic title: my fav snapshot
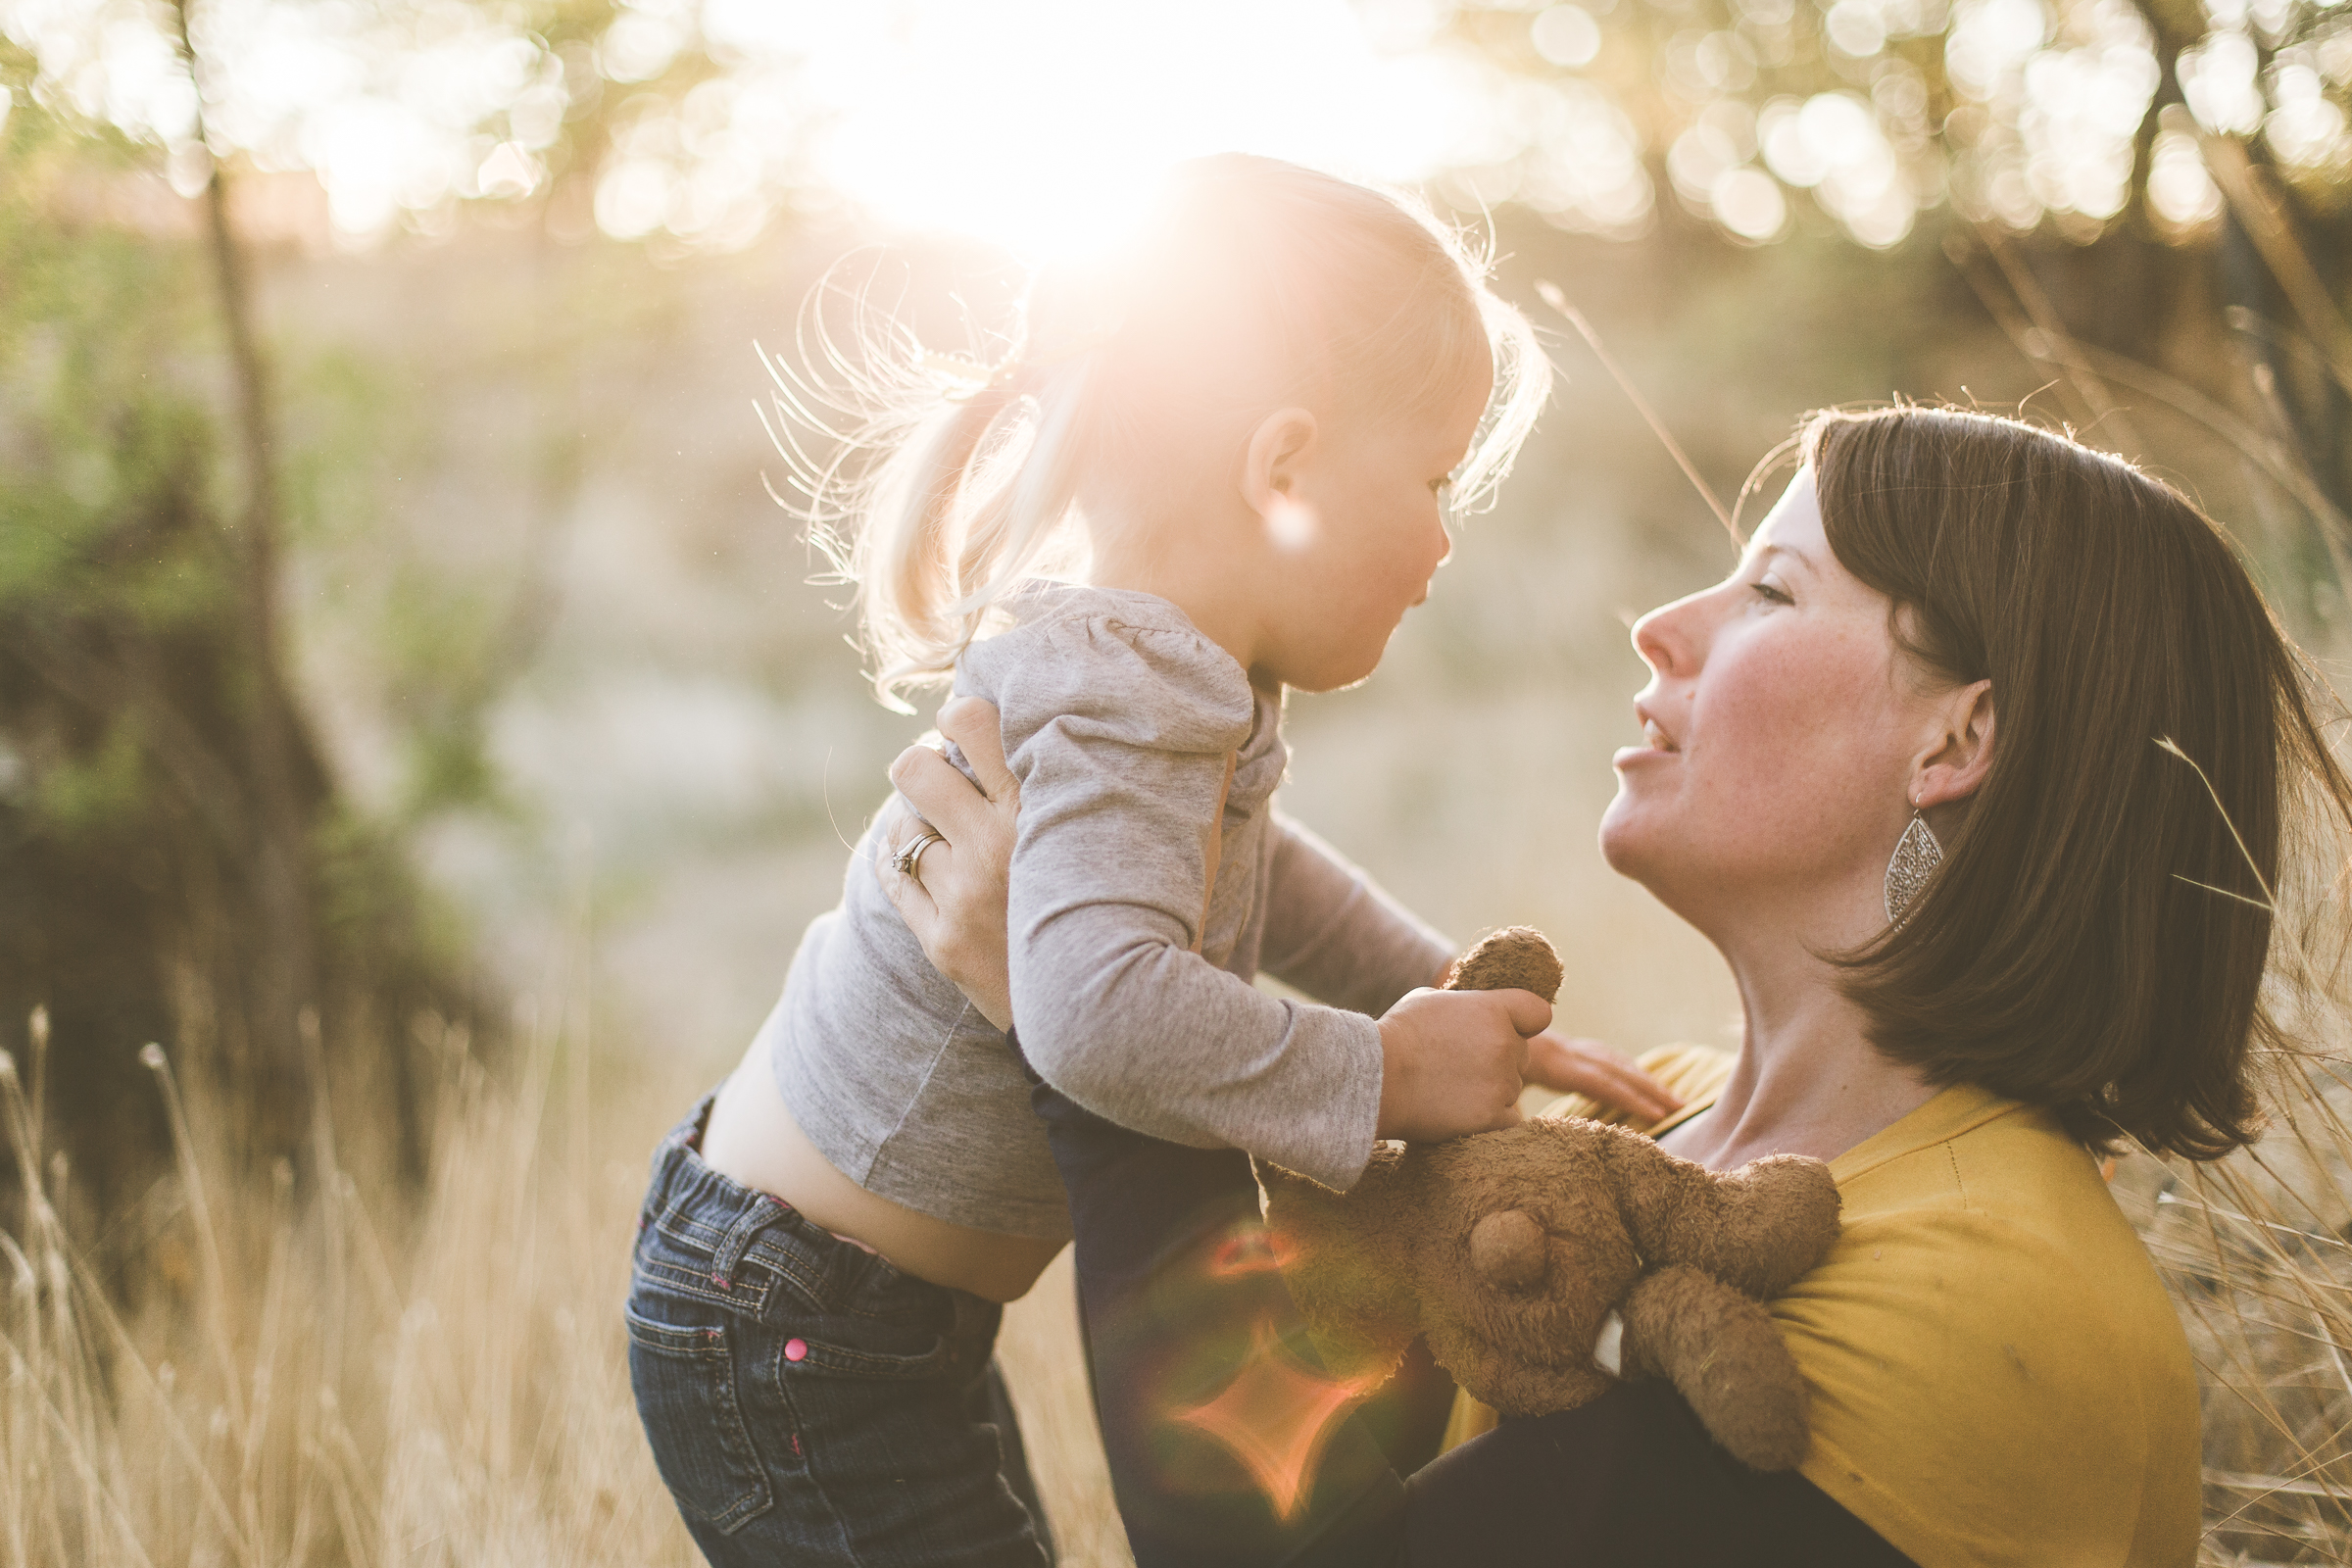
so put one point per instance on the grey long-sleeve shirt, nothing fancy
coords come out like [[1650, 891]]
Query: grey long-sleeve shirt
[[1131, 992]]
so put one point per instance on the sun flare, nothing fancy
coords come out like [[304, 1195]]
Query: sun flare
[[1034, 125]]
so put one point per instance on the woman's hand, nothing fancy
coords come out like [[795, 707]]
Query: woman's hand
[[1590, 1068], [954, 900]]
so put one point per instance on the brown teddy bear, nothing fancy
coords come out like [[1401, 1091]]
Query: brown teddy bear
[[1509, 1250]]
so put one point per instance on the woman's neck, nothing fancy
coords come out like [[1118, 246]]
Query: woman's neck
[[1808, 1080]]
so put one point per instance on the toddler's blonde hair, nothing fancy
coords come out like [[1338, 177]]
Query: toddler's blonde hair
[[1253, 283]]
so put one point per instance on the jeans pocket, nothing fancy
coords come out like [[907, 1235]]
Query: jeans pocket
[[889, 1329], [839, 1355], [684, 1379]]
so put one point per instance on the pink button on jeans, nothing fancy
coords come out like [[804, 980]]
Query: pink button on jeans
[[796, 1349]]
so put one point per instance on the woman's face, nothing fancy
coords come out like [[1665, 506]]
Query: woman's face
[[1779, 737]]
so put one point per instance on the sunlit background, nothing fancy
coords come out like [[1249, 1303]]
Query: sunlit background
[[397, 624], [1010, 121], [509, 262]]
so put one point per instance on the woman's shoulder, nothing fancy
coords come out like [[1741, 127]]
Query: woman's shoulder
[[1992, 1200], [1129, 666], [1985, 1288]]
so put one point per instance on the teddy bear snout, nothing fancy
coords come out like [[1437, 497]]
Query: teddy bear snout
[[1508, 1249]]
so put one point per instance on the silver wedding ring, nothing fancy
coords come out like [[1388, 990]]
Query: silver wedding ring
[[910, 858]]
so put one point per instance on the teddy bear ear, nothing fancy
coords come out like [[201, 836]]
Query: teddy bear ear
[[1517, 957]]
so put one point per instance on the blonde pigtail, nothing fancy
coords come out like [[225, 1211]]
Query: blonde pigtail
[[945, 479], [905, 564]]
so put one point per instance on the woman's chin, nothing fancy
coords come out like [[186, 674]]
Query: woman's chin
[[1625, 842]]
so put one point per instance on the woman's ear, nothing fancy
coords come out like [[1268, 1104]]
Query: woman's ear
[[1955, 765], [1278, 447]]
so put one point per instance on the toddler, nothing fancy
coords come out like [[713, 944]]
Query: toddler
[[1210, 468]]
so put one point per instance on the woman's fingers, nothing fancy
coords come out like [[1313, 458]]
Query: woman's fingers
[[934, 787], [908, 895], [953, 898], [1590, 1068], [978, 732]]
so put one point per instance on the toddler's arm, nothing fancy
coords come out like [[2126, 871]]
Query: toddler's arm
[[1337, 935], [1120, 738], [1117, 1010]]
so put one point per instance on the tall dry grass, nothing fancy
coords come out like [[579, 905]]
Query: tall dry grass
[[327, 1369], [2254, 1251]]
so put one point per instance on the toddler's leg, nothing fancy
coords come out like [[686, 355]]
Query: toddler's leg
[[1228, 1448], [806, 1402]]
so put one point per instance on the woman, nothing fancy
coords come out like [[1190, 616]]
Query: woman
[[1978, 771]]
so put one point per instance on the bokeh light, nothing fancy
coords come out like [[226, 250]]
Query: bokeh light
[[1026, 123]]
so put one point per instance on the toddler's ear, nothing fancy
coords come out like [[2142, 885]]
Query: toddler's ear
[[1271, 461]]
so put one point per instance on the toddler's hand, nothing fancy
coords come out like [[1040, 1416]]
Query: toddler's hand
[[1453, 1061]]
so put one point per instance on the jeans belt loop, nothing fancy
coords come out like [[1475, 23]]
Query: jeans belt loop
[[756, 1216]]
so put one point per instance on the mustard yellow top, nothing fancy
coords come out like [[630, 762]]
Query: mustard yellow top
[[1997, 1375]]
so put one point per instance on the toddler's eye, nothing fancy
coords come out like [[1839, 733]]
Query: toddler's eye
[[1440, 486]]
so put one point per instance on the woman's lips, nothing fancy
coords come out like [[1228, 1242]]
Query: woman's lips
[[1655, 743]]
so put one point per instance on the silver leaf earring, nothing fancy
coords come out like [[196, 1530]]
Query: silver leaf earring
[[1917, 854]]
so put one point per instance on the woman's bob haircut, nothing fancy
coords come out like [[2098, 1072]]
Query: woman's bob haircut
[[2096, 939]]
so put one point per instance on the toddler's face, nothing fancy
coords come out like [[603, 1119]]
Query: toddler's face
[[1361, 536]]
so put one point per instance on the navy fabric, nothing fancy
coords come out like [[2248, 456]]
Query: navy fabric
[[807, 1403], [1178, 1292]]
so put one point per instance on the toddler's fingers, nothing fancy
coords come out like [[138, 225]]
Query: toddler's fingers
[[1529, 1013], [976, 729], [945, 797]]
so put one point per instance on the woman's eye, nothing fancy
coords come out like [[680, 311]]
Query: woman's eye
[[1770, 591]]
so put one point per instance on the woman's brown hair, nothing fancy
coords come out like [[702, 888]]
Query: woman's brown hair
[[2096, 939]]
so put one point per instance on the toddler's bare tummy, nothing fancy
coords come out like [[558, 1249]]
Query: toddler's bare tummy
[[752, 1139]]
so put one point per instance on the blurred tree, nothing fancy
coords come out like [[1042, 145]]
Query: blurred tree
[[2126, 181], [176, 862], [173, 862]]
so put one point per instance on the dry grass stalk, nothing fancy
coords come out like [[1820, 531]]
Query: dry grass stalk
[[327, 1371], [361, 1377]]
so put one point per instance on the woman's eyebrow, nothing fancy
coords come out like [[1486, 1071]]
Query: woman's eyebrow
[[1798, 555]]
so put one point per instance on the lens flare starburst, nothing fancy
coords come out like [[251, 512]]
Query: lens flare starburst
[[1276, 1416]]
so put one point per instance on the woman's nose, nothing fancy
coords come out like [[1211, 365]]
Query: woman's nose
[[1663, 639]]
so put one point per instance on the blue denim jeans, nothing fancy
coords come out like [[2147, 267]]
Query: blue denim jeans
[[806, 1402]]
